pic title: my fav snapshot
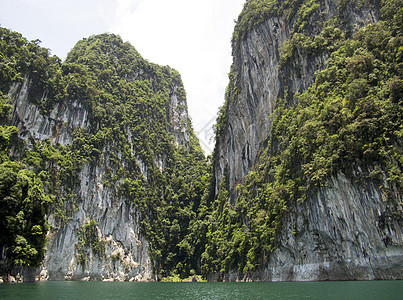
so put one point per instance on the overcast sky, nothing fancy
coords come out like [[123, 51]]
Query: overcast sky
[[194, 37]]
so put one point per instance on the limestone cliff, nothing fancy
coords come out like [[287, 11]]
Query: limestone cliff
[[126, 252], [345, 231], [258, 81], [289, 225], [106, 139]]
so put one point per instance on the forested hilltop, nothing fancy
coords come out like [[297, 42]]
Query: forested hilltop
[[121, 120], [103, 178]]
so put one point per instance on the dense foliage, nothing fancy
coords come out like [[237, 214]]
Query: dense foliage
[[23, 203], [349, 120]]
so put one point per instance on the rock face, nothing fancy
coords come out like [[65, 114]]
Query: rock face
[[125, 255], [33, 125], [342, 231], [126, 250], [178, 116], [259, 82]]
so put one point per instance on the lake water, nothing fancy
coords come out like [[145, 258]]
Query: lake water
[[356, 290]]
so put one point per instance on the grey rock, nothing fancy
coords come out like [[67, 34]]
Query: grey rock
[[259, 82], [126, 254], [339, 232]]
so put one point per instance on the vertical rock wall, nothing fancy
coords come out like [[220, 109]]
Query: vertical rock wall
[[343, 231], [125, 255], [259, 82]]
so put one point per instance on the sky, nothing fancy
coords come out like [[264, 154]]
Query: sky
[[191, 36]]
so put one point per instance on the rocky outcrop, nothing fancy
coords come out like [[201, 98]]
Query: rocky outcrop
[[178, 116], [345, 231], [32, 124], [126, 251], [260, 81], [124, 255]]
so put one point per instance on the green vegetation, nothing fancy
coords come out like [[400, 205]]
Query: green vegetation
[[23, 203], [256, 12], [349, 120], [89, 239], [177, 278], [298, 13]]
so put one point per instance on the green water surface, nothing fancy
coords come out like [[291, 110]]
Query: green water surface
[[212, 290]]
